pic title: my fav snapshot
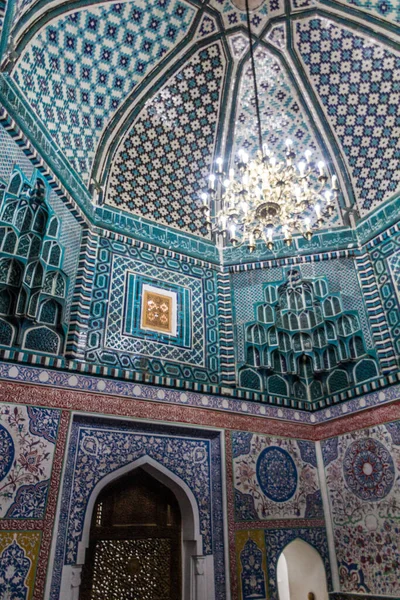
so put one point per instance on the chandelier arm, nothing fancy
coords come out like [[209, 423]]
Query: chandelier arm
[[253, 68]]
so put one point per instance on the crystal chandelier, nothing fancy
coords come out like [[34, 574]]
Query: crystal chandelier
[[264, 198]]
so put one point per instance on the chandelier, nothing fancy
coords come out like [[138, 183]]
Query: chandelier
[[265, 197]]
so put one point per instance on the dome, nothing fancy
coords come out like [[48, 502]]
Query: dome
[[140, 98]]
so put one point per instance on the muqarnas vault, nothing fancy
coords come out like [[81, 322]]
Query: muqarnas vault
[[33, 285], [303, 344]]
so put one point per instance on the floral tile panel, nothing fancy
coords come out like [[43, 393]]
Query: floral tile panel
[[275, 478], [27, 442]]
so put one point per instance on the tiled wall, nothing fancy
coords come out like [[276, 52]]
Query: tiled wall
[[363, 476], [273, 490], [329, 346], [11, 156], [277, 498], [117, 334], [28, 438]]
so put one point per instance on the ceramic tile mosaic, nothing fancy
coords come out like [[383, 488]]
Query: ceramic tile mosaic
[[195, 460], [233, 16], [356, 80], [362, 477], [70, 230], [79, 68], [247, 290], [282, 114], [386, 10], [208, 25], [251, 564], [27, 440], [274, 478], [116, 339], [159, 168], [19, 552]]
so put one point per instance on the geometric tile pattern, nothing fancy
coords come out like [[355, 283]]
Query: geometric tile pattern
[[159, 168], [194, 353], [277, 36], [208, 25], [157, 310], [385, 259], [247, 290], [79, 68], [233, 16], [282, 115], [70, 229], [387, 10], [378, 316], [239, 44], [357, 82], [120, 335], [362, 476]]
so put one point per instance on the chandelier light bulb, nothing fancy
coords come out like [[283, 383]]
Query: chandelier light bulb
[[245, 207], [204, 197], [232, 230], [302, 167], [212, 181], [269, 196]]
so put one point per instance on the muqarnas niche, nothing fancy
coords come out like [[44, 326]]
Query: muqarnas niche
[[302, 344], [33, 286]]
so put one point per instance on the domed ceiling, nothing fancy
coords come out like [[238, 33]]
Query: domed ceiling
[[141, 96]]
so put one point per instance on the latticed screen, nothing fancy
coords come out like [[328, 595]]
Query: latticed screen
[[135, 543], [132, 570]]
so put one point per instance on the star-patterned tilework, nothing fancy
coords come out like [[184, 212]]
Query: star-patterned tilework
[[277, 36], [388, 10], [78, 69], [232, 16], [281, 114], [357, 81], [208, 25], [159, 168], [238, 44]]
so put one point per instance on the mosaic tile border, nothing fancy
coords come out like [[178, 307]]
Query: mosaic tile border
[[49, 378], [215, 480]]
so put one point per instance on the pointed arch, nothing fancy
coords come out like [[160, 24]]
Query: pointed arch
[[301, 557]]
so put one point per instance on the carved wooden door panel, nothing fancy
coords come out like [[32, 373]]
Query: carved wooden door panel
[[135, 543]]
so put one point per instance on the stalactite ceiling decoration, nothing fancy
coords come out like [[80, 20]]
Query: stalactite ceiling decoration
[[115, 84]]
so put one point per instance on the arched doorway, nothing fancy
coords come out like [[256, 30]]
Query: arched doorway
[[135, 542], [300, 570]]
